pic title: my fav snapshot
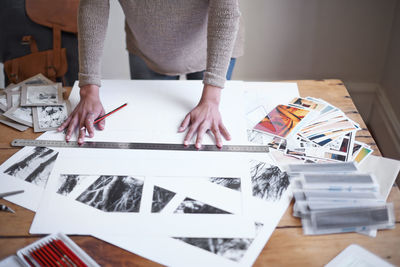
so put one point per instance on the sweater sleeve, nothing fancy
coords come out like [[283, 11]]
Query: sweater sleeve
[[223, 25], [92, 28]]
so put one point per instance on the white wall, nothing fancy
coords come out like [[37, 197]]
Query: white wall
[[315, 39], [391, 74]]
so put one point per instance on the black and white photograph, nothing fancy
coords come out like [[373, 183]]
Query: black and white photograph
[[3, 101], [68, 182], [232, 183], [190, 205], [41, 95], [35, 80], [230, 248], [19, 114], [49, 117], [112, 193], [268, 181], [11, 123], [161, 197], [13, 99], [35, 166]]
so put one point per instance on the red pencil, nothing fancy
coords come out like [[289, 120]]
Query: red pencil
[[99, 119]]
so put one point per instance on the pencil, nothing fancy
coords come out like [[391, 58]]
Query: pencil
[[99, 119]]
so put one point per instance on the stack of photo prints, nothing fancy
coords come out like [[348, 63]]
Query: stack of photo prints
[[308, 129], [337, 198], [35, 102]]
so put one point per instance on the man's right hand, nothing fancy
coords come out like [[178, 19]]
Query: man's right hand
[[88, 109]]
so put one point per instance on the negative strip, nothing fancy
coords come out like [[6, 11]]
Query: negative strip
[[50, 117], [19, 114], [42, 95]]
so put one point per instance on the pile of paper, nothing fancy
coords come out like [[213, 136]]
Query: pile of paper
[[309, 129], [337, 198], [35, 102]]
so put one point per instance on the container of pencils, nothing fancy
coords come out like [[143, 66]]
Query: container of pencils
[[55, 250]]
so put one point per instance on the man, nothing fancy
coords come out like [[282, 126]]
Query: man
[[170, 38]]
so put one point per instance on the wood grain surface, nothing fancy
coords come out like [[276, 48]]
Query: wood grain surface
[[287, 245]]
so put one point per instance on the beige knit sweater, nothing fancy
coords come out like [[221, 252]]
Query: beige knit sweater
[[172, 36]]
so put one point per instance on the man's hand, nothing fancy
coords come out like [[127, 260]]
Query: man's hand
[[88, 109], [205, 116]]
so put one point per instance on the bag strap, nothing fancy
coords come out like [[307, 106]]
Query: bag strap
[[57, 45], [28, 39]]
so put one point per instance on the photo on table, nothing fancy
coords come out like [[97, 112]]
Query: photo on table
[[42, 95], [50, 117], [3, 101], [282, 120], [34, 80], [13, 99], [19, 114]]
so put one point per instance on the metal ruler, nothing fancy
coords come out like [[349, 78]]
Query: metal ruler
[[141, 146]]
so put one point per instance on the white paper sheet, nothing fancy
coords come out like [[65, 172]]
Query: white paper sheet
[[77, 218], [212, 251], [385, 171]]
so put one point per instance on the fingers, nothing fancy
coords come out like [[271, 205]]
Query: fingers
[[71, 127], [190, 133], [200, 133], [184, 124], [224, 132], [89, 124], [102, 124], [64, 124], [217, 135]]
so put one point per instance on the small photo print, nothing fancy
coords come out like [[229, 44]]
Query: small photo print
[[112, 193], [34, 80], [228, 182], [49, 117], [13, 99], [35, 166], [190, 205], [41, 95], [161, 197], [3, 101], [67, 183], [230, 248], [19, 114], [282, 120], [268, 181]]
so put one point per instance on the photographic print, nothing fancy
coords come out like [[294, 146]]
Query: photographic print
[[50, 117], [307, 103], [161, 197], [281, 121], [268, 181], [113, 193], [190, 205], [230, 248], [68, 183], [6, 121], [41, 95], [34, 80], [19, 114], [13, 99], [232, 183], [3, 101], [35, 167]]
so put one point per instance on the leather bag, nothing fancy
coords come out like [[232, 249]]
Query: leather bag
[[61, 15]]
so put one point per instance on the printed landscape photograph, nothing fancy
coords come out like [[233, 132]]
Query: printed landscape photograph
[[161, 197], [268, 181], [189, 205], [35, 166], [112, 193]]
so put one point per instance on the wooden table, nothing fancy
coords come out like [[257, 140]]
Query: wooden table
[[287, 245]]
